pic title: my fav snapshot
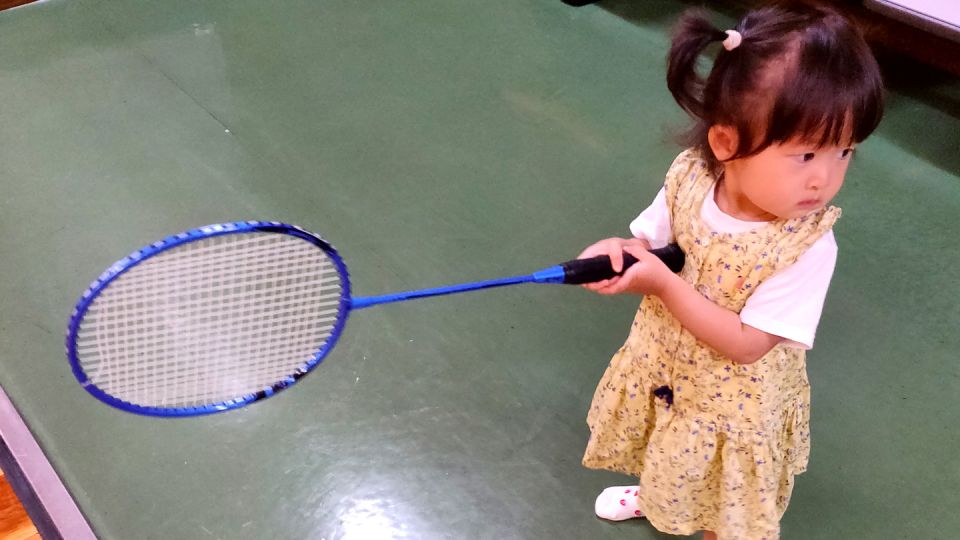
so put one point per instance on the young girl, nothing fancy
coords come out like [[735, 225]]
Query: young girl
[[707, 402]]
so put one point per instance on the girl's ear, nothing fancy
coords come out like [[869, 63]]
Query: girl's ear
[[723, 141]]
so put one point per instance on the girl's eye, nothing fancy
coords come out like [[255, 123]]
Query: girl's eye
[[804, 158], [845, 153]]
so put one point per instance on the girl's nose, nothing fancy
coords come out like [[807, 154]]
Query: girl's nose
[[818, 178]]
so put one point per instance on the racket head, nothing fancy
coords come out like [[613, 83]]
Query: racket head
[[177, 328]]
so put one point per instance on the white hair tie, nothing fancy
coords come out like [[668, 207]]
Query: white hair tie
[[733, 40]]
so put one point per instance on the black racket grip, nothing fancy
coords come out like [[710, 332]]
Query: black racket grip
[[580, 271]]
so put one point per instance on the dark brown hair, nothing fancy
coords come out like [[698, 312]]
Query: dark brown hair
[[802, 72]]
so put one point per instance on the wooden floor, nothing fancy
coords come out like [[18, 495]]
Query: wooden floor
[[15, 524], [4, 4]]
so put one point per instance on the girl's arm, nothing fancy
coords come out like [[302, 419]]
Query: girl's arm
[[712, 324]]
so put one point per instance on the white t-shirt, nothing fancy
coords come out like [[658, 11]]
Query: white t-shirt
[[787, 304]]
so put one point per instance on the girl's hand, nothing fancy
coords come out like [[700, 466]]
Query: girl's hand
[[647, 276]]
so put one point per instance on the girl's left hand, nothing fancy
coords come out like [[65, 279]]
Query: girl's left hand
[[647, 276]]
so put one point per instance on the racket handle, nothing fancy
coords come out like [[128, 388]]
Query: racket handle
[[579, 271]]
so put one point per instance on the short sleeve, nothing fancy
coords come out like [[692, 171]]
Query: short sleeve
[[789, 303], [653, 224]]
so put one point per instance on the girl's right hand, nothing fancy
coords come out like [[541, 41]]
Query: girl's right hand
[[613, 248]]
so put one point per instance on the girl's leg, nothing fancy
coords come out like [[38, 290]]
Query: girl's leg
[[709, 535]]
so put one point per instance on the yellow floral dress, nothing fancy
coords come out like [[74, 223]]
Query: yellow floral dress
[[715, 444]]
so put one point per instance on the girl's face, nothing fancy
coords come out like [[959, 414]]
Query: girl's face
[[784, 181]]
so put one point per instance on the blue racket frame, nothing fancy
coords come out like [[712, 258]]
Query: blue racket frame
[[123, 265]]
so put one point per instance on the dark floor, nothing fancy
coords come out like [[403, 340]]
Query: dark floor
[[434, 142]]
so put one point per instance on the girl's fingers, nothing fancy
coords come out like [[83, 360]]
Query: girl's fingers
[[616, 286], [638, 252], [603, 247], [599, 286], [616, 259], [588, 253]]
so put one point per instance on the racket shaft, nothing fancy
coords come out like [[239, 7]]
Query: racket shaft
[[575, 272], [367, 301]]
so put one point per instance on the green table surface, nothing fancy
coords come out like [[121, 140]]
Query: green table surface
[[435, 141]]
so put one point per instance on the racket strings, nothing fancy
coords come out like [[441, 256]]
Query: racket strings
[[211, 320], [235, 344]]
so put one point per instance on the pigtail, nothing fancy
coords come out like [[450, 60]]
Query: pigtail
[[692, 34]]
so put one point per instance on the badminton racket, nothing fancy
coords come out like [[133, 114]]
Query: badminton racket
[[218, 317]]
